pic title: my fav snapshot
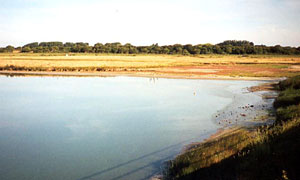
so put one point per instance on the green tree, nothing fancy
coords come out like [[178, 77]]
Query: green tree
[[185, 52], [9, 48], [228, 49], [54, 49], [217, 49], [133, 50], [144, 50], [26, 49], [204, 50], [189, 48], [32, 45], [197, 50], [166, 50]]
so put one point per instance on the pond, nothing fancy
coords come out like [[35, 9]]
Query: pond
[[105, 128]]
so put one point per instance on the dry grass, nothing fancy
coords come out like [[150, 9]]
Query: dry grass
[[218, 65], [136, 61]]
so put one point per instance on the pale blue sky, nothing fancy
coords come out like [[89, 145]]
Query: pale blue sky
[[144, 22]]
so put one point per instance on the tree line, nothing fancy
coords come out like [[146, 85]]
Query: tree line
[[226, 47]]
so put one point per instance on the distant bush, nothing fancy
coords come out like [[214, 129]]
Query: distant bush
[[287, 113], [288, 101], [287, 97], [293, 83]]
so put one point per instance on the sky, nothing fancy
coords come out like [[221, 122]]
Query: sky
[[145, 22]]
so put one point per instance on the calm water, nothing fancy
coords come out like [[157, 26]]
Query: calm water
[[103, 128]]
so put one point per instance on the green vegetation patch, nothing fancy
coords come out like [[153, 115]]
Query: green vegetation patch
[[209, 153], [291, 83], [287, 97]]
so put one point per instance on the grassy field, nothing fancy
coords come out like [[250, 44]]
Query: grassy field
[[265, 152], [228, 65]]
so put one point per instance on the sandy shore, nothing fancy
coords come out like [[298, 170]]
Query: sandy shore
[[235, 117]]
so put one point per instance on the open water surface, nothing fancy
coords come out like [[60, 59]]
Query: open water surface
[[104, 128]]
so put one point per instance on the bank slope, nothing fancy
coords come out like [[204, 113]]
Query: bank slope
[[266, 152]]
